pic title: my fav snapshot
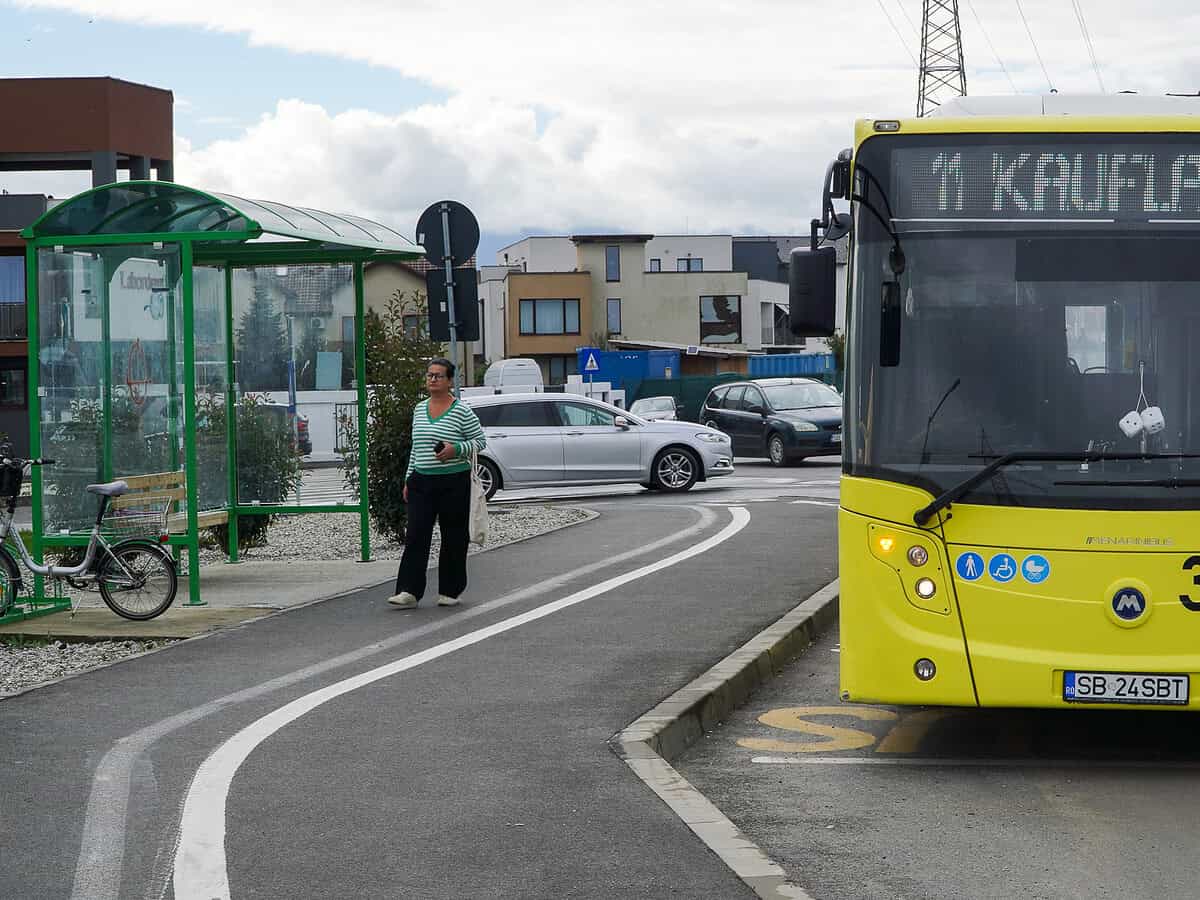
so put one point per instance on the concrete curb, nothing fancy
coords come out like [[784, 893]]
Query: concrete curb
[[649, 744]]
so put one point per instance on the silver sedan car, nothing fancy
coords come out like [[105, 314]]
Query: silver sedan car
[[549, 440]]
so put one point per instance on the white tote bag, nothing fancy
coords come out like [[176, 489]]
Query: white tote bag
[[477, 527]]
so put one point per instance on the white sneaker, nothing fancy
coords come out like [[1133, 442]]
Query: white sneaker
[[443, 600], [402, 600]]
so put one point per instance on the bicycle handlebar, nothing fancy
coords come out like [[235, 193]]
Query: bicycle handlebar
[[22, 463]]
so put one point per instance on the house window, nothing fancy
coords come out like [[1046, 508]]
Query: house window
[[347, 331], [549, 317], [614, 316], [721, 319], [12, 298], [412, 326], [12, 387], [690, 264], [655, 265], [612, 263], [559, 367]]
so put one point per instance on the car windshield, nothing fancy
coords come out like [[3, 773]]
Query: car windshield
[[654, 404], [801, 396], [1020, 333]]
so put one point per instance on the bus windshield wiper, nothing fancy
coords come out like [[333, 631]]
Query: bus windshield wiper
[[923, 515], [1144, 482]]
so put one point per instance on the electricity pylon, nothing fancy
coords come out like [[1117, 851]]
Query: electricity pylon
[[942, 72]]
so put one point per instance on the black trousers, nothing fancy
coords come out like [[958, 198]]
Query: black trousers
[[445, 499]]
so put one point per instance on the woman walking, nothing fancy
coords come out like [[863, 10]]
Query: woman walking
[[437, 487]]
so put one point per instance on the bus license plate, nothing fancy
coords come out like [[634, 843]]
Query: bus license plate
[[1125, 687]]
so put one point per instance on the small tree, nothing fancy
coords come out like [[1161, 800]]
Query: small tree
[[396, 362], [262, 345]]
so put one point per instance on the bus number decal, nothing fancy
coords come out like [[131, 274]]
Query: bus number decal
[[834, 737], [1185, 599]]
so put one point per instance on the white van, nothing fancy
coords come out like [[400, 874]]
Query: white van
[[507, 374]]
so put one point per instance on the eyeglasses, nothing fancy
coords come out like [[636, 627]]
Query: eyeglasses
[[435, 376]]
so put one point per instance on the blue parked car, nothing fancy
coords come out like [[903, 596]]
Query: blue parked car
[[783, 419]]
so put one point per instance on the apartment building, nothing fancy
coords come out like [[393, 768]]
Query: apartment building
[[718, 298], [101, 126]]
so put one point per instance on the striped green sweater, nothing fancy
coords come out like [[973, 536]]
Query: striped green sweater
[[457, 426]]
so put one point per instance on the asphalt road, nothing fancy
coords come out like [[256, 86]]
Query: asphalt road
[[886, 803], [449, 753]]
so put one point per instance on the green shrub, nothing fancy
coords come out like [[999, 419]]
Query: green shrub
[[396, 361], [268, 464]]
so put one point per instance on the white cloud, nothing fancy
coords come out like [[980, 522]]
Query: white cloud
[[716, 113]]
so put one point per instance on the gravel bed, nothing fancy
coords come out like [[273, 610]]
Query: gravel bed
[[24, 665], [335, 535], [314, 536]]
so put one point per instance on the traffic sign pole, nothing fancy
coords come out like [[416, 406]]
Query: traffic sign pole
[[447, 259]]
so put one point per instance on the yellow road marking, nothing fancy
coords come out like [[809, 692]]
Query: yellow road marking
[[907, 734], [833, 737]]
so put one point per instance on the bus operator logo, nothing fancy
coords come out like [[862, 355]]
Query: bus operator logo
[[1128, 604]]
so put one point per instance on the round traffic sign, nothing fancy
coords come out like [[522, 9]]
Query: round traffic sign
[[464, 233]]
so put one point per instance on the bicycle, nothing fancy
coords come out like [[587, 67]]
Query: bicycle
[[135, 575]]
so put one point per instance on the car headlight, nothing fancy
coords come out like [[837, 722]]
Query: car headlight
[[713, 437], [805, 426]]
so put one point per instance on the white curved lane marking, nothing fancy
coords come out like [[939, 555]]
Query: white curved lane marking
[[200, 865]]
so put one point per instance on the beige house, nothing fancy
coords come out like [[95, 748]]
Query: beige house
[[547, 317]]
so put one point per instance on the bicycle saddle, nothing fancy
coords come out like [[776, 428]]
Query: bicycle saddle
[[109, 489]]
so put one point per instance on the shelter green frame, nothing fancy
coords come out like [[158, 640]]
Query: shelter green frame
[[215, 230]]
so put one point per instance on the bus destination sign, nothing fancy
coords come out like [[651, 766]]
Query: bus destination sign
[[1130, 181]]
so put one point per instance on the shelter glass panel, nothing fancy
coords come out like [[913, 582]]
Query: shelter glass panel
[[107, 371], [295, 364], [211, 342]]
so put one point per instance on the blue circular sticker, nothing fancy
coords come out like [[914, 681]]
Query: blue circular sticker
[[1129, 603], [1002, 568], [1035, 568], [969, 566]]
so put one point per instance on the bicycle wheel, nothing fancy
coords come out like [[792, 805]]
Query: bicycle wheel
[[10, 580], [142, 585]]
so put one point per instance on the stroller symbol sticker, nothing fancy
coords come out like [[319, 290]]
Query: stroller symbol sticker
[[1002, 568], [1035, 568]]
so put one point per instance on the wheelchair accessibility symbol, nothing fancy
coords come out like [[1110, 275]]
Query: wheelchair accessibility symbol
[[1002, 568]]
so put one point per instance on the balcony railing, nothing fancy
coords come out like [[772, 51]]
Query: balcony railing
[[780, 337]]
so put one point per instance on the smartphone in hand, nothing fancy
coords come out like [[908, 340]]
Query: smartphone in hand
[[439, 446]]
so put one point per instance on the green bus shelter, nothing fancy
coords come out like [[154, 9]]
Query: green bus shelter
[[170, 331]]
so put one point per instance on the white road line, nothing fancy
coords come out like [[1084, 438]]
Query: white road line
[[200, 863], [959, 762], [98, 871], [816, 503]]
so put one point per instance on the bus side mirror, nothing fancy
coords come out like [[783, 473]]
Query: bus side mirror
[[891, 314], [812, 292]]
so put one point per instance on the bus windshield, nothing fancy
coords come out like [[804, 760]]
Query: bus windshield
[[1040, 314]]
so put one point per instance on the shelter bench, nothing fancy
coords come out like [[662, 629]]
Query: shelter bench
[[170, 486]]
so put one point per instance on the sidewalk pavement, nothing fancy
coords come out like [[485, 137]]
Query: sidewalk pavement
[[233, 593]]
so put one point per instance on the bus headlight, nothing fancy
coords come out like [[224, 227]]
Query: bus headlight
[[926, 588], [924, 669]]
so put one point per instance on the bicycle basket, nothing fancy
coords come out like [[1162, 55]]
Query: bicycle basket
[[10, 481], [138, 517]]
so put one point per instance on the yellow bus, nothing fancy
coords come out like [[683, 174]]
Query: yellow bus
[[1020, 497]]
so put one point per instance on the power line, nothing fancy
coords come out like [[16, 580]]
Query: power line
[[911, 23], [1036, 51], [987, 37], [899, 36], [1087, 39]]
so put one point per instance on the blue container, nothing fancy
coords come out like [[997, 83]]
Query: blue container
[[784, 365], [625, 369]]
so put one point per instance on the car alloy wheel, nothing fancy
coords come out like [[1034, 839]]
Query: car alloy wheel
[[676, 470], [487, 478], [775, 450]]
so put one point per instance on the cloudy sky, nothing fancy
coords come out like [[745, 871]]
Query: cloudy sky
[[639, 115]]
